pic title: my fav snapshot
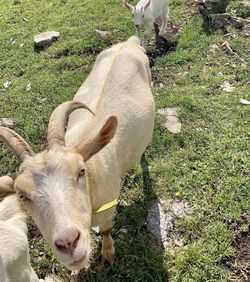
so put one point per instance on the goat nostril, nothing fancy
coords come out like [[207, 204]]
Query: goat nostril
[[67, 241], [61, 246], [76, 240]]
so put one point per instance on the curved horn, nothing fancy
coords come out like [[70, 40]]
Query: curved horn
[[58, 120], [16, 143]]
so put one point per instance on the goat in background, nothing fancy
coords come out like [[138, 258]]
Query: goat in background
[[145, 14]]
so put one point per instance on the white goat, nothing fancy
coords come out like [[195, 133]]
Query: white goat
[[146, 12], [74, 184], [14, 253]]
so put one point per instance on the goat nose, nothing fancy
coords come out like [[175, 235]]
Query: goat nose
[[137, 25], [67, 241]]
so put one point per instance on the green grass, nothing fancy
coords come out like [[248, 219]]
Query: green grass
[[207, 163]]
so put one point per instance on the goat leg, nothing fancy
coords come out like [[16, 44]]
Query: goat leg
[[108, 249]]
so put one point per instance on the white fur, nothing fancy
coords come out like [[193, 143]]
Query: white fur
[[145, 16], [118, 85], [117, 89], [14, 253]]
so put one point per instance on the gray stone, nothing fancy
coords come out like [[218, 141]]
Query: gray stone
[[45, 39], [225, 19], [226, 47], [214, 47], [102, 33], [6, 122], [28, 87], [246, 29], [6, 84], [13, 40], [121, 233], [161, 221], [172, 122], [123, 203], [206, 6], [243, 9], [227, 87], [207, 1], [180, 209], [244, 102]]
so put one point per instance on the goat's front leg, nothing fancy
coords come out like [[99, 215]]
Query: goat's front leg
[[145, 41], [147, 31], [164, 20], [108, 249]]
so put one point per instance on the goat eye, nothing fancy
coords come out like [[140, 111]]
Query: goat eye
[[22, 197], [82, 172]]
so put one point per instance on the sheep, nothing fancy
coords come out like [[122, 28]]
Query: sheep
[[146, 12], [74, 184], [14, 253]]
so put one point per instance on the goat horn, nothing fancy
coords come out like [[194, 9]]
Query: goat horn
[[16, 143], [58, 120]]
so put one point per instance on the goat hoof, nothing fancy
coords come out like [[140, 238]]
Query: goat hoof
[[108, 255], [74, 272]]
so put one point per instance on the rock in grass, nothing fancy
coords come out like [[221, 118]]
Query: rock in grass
[[225, 19], [227, 87], [45, 39], [244, 102], [172, 122], [243, 10], [208, 3], [102, 33], [161, 221], [6, 84], [6, 122], [28, 87]]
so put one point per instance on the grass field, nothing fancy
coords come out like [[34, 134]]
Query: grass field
[[207, 164]]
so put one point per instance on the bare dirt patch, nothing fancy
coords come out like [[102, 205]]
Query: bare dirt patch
[[163, 44], [240, 263]]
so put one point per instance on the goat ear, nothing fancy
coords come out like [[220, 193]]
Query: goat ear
[[146, 6], [6, 187], [128, 6], [95, 142]]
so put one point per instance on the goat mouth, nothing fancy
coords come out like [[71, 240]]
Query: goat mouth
[[77, 262]]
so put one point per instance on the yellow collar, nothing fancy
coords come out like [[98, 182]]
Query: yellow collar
[[104, 207]]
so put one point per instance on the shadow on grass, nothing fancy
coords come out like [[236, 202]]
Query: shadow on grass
[[163, 44], [216, 8], [137, 258]]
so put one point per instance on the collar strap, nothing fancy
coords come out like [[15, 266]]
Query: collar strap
[[105, 207]]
